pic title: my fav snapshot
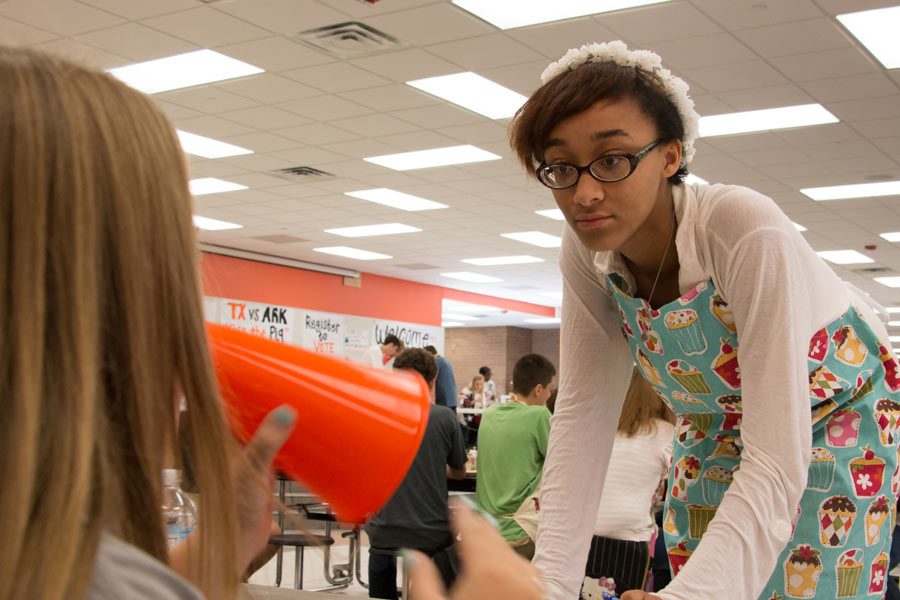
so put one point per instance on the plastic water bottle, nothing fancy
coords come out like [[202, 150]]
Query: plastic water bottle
[[179, 511]]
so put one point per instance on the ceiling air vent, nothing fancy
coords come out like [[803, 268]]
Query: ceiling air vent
[[279, 238], [302, 174], [349, 40], [417, 266], [872, 270]]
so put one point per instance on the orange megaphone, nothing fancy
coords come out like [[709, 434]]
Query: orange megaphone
[[358, 428]]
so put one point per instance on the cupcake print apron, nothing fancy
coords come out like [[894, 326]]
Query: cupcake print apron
[[688, 351]]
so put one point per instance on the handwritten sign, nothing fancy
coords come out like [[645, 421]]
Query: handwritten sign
[[411, 334], [324, 333], [265, 320]]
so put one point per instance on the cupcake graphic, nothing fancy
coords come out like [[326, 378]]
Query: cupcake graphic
[[732, 421], [818, 346], [649, 337], [730, 403], [719, 309], [824, 385], [867, 473], [849, 570], [689, 296], [688, 377], [699, 517], [864, 386], [729, 446], [878, 573], [726, 365], [801, 572], [686, 472], [848, 348], [795, 520], [651, 374], [686, 398], [821, 470], [842, 428], [895, 478], [716, 480], [887, 418], [626, 328], [836, 516], [678, 557], [685, 327], [876, 516], [891, 368], [669, 525], [822, 410], [775, 596], [691, 429]]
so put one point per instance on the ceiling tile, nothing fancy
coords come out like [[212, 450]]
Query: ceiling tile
[[445, 115], [88, 55], [275, 54], [377, 125], [839, 7], [207, 98], [140, 9], [430, 24], [62, 17], [361, 148], [866, 109], [213, 127], [822, 134], [14, 33], [417, 140], [488, 131], [258, 162], [325, 108], [265, 118], [317, 133], [484, 52], [657, 23], [283, 16], [175, 111], [524, 77], [742, 14], [310, 156], [824, 64], [206, 26], [799, 37], [406, 65], [850, 88], [736, 76], [765, 97], [269, 88], [336, 77], [261, 141], [694, 53], [136, 42]]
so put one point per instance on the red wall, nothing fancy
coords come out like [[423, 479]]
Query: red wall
[[380, 297]]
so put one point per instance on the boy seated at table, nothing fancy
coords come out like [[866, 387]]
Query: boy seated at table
[[512, 444], [416, 515]]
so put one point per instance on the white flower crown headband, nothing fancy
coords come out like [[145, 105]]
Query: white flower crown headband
[[617, 52]]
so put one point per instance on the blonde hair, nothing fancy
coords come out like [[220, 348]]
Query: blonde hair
[[475, 378], [642, 408], [102, 326]]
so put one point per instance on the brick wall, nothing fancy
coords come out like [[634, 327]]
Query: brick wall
[[469, 348]]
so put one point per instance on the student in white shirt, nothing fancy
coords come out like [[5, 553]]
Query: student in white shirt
[[801, 437], [103, 332]]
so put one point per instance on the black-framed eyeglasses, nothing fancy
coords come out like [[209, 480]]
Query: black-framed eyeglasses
[[609, 168]]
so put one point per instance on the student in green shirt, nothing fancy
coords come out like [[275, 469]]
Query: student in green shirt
[[512, 444]]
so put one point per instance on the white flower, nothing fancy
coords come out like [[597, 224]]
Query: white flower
[[618, 53], [863, 481], [878, 578]]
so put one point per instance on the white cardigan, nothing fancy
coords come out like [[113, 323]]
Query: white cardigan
[[781, 292]]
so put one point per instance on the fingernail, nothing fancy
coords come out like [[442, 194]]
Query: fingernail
[[409, 558], [467, 500], [284, 416]]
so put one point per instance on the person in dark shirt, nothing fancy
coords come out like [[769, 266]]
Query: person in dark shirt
[[416, 515], [445, 388]]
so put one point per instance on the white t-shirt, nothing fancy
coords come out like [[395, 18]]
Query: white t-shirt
[[781, 292], [637, 465]]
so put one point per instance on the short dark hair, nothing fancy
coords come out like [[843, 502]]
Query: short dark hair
[[575, 91], [531, 371], [393, 339], [551, 401], [431, 349], [418, 360], [484, 371]]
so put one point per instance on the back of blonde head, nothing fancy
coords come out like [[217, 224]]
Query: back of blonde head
[[102, 326], [642, 408]]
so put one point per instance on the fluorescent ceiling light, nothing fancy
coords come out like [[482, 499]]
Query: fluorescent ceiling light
[[474, 92], [182, 70], [507, 14], [894, 338], [844, 257], [451, 324], [892, 282], [537, 238], [395, 199], [555, 295], [455, 317], [211, 185], [213, 224], [798, 226], [456, 306], [471, 277], [348, 252], [877, 31], [551, 213], [693, 179], [893, 309], [503, 260], [893, 323], [891, 236], [208, 147], [543, 321], [373, 230], [857, 190], [765, 120], [435, 157]]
